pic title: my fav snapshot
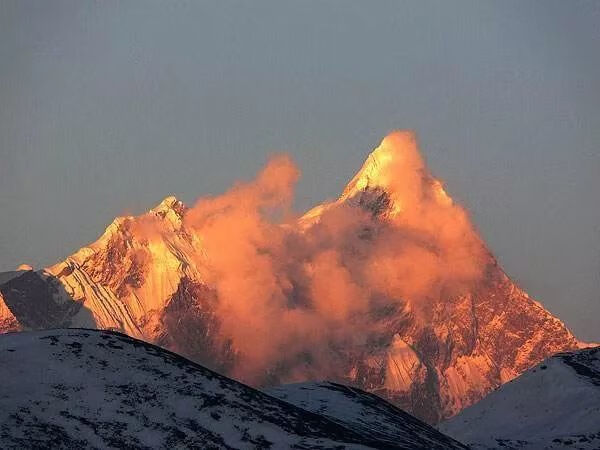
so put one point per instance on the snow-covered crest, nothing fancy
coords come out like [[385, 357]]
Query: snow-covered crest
[[556, 404]]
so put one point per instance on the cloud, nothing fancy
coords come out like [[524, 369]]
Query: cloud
[[295, 300]]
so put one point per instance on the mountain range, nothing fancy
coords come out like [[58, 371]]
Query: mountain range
[[388, 288]]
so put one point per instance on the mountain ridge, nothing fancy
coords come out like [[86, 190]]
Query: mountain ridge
[[389, 286]]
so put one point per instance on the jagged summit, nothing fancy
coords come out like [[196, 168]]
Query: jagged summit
[[395, 172], [171, 210], [398, 147], [124, 229], [170, 203], [377, 174]]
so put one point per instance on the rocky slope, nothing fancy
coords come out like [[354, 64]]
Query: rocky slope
[[8, 321], [96, 389], [389, 288], [554, 405]]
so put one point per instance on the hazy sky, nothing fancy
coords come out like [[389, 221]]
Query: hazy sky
[[106, 107]]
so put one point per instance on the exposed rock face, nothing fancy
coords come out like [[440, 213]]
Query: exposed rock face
[[188, 325], [488, 338], [442, 326], [8, 322]]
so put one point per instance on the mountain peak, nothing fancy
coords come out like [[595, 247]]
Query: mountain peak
[[397, 148], [170, 203], [170, 209]]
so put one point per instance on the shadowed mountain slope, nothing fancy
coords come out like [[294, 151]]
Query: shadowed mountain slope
[[77, 388]]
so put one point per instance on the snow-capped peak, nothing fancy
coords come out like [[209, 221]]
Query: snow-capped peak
[[398, 147], [170, 203], [171, 209]]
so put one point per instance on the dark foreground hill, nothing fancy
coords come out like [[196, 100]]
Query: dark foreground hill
[[76, 388]]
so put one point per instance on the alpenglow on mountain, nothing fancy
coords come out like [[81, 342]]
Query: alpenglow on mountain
[[388, 288]]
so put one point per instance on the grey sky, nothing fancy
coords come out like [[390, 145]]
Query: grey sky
[[107, 107]]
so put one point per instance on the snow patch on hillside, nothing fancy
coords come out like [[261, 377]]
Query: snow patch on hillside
[[554, 405]]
